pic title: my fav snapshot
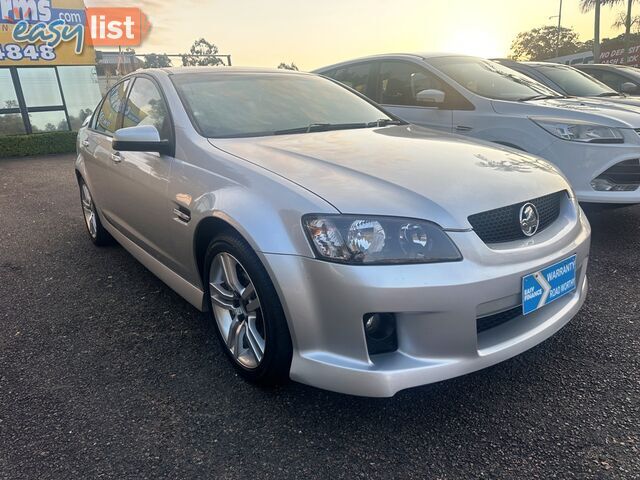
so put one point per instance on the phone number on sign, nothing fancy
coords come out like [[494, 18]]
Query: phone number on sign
[[13, 51]]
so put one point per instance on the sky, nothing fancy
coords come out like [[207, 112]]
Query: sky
[[317, 33]]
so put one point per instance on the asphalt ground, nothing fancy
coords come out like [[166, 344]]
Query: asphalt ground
[[107, 373]]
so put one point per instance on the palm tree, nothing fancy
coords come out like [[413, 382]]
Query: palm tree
[[587, 5]]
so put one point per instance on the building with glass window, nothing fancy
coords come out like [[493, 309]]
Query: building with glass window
[[44, 88]]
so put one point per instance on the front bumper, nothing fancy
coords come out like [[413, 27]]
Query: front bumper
[[582, 163], [436, 307]]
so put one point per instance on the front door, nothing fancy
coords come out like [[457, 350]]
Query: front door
[[142, 207]]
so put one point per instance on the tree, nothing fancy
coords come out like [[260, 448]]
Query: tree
[[587, 5], [154, 60], [288, 66], [621, 22], [540, 43], [201, 47]]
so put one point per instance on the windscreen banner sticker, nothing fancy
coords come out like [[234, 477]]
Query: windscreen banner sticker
[[543, 287]]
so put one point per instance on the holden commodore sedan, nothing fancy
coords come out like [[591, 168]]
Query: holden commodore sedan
[[596, 144], [330, 242]]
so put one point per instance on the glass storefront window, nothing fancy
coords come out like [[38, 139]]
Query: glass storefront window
[[81, 92], [11, 124], [48, 121], [40, 87], [8, 97]]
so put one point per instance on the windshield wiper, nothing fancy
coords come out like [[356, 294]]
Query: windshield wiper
[[383, 122], [539, 97], [609, 94], [322, 127]]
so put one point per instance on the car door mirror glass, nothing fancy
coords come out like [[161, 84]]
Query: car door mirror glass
[[430, 96], [142, 138], [629, 87]]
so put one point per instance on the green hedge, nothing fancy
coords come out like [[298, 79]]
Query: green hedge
[[37, 144]]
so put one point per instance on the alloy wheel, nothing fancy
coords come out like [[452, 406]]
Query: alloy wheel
[[88, 208], [237, 310]]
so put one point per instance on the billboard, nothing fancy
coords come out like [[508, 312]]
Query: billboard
[[44, 32], [607, 55]]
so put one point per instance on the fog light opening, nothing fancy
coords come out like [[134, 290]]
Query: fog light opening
[[380, 332], [603, 185]]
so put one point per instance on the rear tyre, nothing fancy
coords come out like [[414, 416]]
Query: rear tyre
[[99, 236], [243, 302]]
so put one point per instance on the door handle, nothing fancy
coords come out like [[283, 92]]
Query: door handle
[[85, 143], [116, 157], [463, 128]]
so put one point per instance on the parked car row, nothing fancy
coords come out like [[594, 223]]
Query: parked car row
[[590, 132], [335, 229]]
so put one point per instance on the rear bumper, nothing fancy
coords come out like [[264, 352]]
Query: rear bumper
[[436, 308]]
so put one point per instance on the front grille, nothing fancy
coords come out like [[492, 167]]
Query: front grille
[[486, 323], [503, 224], [623, 173]]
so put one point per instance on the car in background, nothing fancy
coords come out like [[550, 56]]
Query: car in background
[[621, 78], [569, 81], [596, 145], [328, 241]]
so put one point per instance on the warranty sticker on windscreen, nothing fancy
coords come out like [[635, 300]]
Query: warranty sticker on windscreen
[[543, 287]]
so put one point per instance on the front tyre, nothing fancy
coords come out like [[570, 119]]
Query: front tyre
[[250, 322], [99, 236]]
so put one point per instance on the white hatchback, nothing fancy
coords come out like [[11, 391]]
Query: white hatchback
[[595, 143]]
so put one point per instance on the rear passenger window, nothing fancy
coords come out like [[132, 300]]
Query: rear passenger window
[[106, 121], [146, 106], [354, 76]]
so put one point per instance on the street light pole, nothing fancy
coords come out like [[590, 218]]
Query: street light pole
[[596, 34], [559, 27]]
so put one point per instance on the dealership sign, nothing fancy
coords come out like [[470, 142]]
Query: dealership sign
[[613, 56], [63, 32]]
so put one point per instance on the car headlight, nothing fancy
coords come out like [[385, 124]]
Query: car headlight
[[365, 240], [577, 131]]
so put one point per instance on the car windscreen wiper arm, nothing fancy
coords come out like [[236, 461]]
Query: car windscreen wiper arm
[[321, 127], [383, 122], [539, 97], [609, 94]]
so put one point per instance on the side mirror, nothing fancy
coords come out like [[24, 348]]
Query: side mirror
[[629, 87], [143, 138], [430, 96]]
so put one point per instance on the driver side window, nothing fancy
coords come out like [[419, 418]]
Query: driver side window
[[146, 106], [400, 82]]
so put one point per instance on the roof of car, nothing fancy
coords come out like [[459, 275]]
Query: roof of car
[[225, 69], [424, 55]]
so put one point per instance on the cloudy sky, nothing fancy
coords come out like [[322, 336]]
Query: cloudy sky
[[316, 33]]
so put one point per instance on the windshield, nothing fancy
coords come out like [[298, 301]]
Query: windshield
[[491, 80], [226, 105], [631, 71], [574, 82]]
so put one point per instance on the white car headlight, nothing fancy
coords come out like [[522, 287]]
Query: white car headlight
[[362, 239], [577, 131]]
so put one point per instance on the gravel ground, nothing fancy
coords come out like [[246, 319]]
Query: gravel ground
[[106, 373]]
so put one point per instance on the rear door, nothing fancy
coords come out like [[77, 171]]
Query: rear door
[[396, 86], [99, 154], [142, 208]]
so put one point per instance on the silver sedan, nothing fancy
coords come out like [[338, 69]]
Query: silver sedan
[[330, 242]]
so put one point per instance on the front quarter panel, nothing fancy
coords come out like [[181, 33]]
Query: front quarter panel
[[263, 207]]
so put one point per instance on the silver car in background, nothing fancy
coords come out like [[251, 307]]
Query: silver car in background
[[596, 144], [330, 242]]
